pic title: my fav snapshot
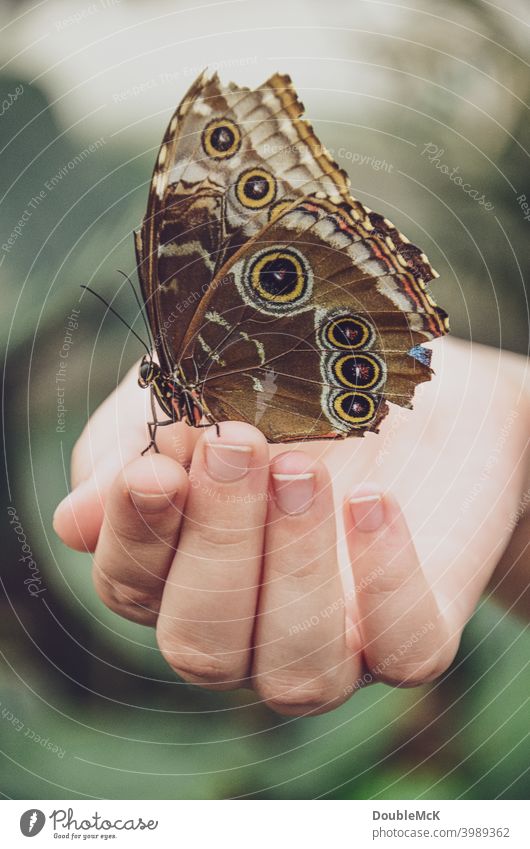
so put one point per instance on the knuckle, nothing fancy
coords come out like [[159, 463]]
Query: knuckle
[[196, 666], [311, 696], [302, 560], [385, 580], [135, 596], [155, 529], [135, 603], [305, 567], [412, 673], [133, 535], [230, 540]]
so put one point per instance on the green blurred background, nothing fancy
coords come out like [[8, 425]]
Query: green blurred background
[[379, 82]]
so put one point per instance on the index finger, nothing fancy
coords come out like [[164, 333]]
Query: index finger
[[114, 436]]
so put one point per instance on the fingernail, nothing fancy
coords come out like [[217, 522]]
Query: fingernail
[[152, 502], [367, 512], [294, 493], [226, 463]]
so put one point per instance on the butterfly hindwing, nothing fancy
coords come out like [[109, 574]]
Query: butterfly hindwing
[[310, 329]]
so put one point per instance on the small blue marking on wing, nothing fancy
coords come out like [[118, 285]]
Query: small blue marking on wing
[[423, 355]]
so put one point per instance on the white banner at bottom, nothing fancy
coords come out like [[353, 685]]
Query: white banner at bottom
[[264, 824]]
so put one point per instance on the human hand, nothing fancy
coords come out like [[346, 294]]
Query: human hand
[[237, 567]]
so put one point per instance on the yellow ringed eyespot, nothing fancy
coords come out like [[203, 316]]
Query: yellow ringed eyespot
[[348, 332], [356, 408], [279, 277], [255, 188], [358, 371], [221, 138]]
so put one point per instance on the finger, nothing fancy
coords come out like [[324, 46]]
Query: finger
[[137, 540], [114, 436], [301, 663], [406, 639], [207, 615], [78, 518]]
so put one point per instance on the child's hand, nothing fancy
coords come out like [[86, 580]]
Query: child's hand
[[235, 562]]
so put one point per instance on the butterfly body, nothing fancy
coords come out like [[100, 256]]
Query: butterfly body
[[178, 400], [273, 296]]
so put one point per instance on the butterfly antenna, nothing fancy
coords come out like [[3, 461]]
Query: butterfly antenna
[[113, 311], [141, 308]]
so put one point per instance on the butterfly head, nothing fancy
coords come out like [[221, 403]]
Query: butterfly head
[[148, 372]]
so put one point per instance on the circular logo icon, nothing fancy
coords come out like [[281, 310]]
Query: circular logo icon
[[31, 822]]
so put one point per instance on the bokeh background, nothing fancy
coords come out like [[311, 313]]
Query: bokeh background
[[380, 81]]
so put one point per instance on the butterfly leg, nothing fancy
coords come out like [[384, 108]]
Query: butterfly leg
[[210, 419], [212, 423], [203, 412], [153, 426]]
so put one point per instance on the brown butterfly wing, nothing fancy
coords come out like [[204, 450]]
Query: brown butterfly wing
[[228, 186], [314, 325], [160, 296]]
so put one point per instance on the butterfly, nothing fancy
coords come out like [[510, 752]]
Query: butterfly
[[273, 296]]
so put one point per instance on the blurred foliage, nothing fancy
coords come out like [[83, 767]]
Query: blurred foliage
[[93, 684]]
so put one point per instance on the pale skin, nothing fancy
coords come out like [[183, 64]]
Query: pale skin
[[228, 545]]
